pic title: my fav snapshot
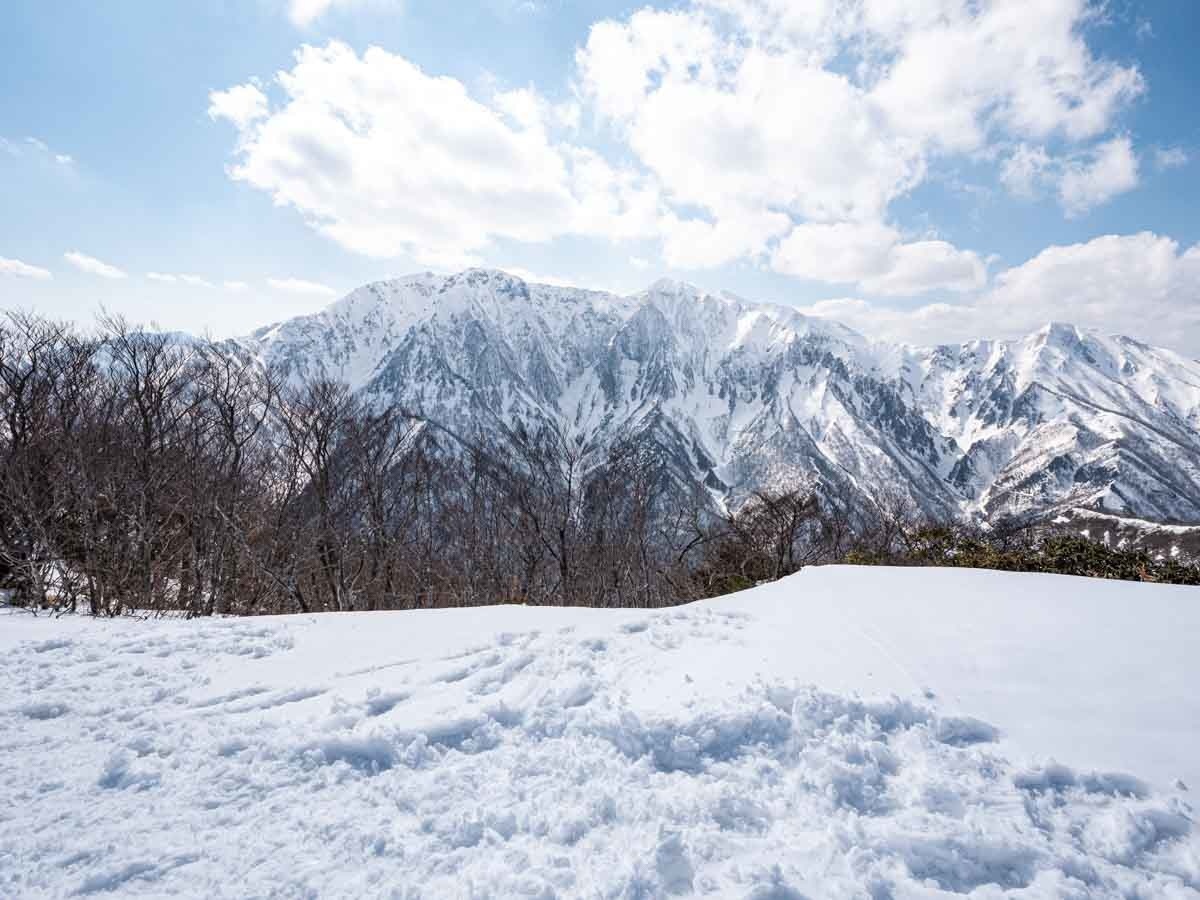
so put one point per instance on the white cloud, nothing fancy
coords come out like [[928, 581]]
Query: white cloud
[[300, 286], [36, 147], [305, 12], [1140, 284], [824, 113], [933, 323], [874, 257], [236, 287], [387, 160], [921, 266], [1143, 285], [742, 133], [838, 252], [739, 123], [764, 115], [1170, 158], [529, 109], [92, 266], [190, 280], [964, 71], [1110, 170], [694, 243], [240, 104], [196, 281], [14, 268], [1081, 180], [1025, 170]]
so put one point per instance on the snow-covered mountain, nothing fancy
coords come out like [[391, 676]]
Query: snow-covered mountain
[[744, 395]]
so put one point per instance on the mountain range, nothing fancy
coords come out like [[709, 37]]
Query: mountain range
[[743, 396]]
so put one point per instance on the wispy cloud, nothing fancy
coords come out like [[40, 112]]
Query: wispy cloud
[[195, 281], [1111, 169], [1082, 180], [1170, 158], [300, 286], [14, 268], [34, 147], [93, 266], [305, 12]]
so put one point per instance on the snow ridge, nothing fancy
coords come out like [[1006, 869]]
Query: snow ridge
[[424, 754]]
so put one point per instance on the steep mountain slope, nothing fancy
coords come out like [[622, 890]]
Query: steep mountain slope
[[743, 395]]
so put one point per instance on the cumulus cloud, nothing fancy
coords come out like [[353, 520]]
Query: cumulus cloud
[[240, 104], [745, 128], [388, 160], [1144, 285], [14, 268], [827, 112], [874, 257], [1111, 169], [92, 266], [300, 286], [933, 323], [236, 287], [1026, 169], [1082, 180]]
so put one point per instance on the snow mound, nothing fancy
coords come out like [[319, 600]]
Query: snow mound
[[547, 753]]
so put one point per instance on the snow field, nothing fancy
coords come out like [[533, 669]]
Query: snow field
[[513, 752]]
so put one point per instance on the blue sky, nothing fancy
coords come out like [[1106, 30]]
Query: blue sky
[[950, 170]]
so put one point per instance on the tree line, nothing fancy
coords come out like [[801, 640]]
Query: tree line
[[145, 472]]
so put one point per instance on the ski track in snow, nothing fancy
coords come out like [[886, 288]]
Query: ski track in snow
[[136, 766]]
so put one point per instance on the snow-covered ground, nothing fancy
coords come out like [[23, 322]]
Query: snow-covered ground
[[846, 732]]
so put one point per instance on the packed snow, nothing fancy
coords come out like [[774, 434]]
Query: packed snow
[[881, 733]]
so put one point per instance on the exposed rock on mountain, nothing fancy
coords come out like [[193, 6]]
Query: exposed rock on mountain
[[744, 395]]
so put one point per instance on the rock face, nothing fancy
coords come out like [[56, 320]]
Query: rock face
[[743, 395]]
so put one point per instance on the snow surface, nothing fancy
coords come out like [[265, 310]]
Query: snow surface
[[882, 733]]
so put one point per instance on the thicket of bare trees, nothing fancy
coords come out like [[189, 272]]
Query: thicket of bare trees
[[141, 472], [144, 473]]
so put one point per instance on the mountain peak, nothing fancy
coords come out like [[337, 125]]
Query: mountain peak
[[747, 395], [674, 287], [1061, 334], [485, 273]]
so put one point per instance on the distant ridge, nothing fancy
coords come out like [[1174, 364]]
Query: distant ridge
[[743, 395]]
